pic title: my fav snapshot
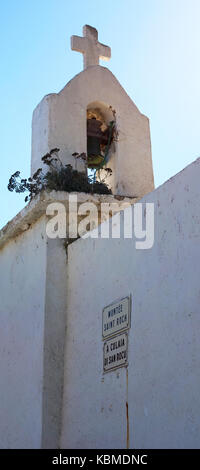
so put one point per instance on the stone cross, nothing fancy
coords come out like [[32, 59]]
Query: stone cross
[[90, 47]]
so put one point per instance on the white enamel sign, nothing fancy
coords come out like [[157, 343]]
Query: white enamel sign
[[115, 352], [116, 317]]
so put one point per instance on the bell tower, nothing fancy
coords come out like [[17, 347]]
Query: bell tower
[[93, 115], [51, 326]]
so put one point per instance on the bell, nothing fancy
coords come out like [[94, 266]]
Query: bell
[[94, 140], [93, 146], [94, 152]]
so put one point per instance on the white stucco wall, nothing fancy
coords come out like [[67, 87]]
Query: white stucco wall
[[22, 304], [33, 293], [46, 300], [33, 318], [162, 381]]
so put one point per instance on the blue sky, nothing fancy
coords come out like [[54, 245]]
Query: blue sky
[[155, 56]]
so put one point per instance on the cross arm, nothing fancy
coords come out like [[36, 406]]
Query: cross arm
[[78, 44], [104, 52]]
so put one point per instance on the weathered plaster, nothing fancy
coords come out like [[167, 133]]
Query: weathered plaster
[[37, 208], [22, 294], [54, 340], [47, 303], [163, 373], [33, 294]]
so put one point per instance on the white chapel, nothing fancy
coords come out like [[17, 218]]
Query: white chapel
[[99, 335]]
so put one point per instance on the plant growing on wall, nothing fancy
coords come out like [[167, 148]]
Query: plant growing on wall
[[59, 177]]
